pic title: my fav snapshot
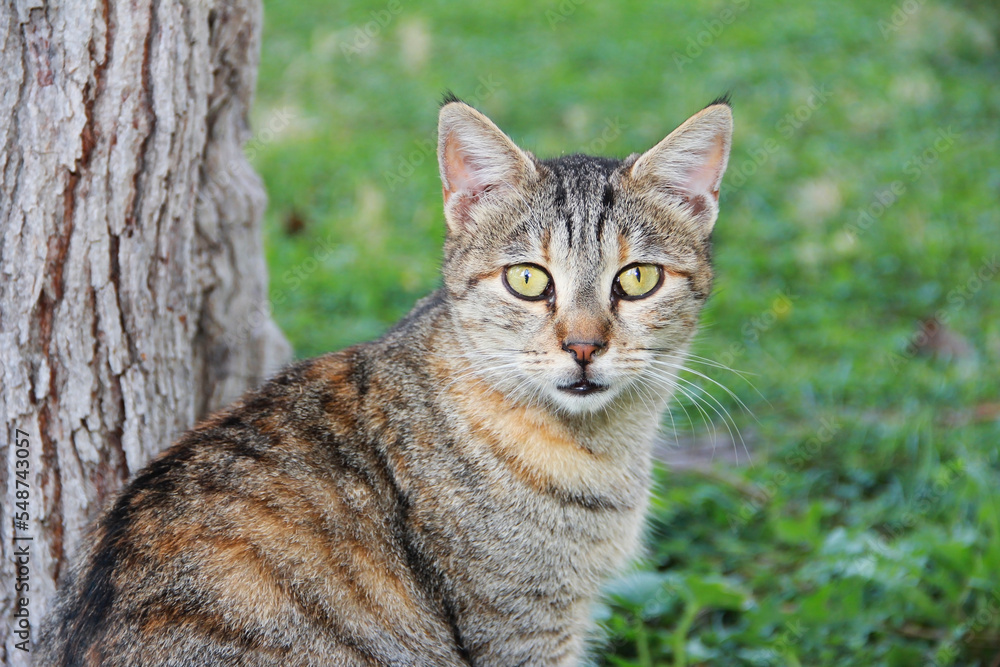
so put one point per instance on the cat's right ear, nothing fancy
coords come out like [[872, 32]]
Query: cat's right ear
[[477, 160]]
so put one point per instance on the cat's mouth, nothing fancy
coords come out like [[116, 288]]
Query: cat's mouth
[[583, 388]]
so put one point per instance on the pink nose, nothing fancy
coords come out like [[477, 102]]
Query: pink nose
[[583, 352]]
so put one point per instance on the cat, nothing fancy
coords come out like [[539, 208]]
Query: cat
[[454, 493]]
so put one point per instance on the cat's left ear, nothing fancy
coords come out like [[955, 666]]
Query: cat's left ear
[[688, 165], [477, 162]]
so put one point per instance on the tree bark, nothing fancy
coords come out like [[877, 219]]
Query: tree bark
[[133, 290]]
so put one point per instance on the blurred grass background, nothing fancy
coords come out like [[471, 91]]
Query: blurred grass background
[[858, 285]]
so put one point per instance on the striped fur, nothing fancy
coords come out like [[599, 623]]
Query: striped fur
[[433, 497]]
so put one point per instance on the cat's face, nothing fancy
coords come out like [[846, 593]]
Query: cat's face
[[579, 280]]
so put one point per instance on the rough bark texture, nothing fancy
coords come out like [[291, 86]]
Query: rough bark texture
[[132, 282]]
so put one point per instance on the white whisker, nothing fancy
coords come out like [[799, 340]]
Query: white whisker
[[703, 376], [718, 408], [674, 386]]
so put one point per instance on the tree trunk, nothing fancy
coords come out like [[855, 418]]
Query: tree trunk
[[133, 290]]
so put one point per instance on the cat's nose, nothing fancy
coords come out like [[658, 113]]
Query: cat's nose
[[584, 352]]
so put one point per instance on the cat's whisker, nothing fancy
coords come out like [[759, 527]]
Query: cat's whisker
[[706, 420], [651, 406], [689, 355], [680, 368], [713, 381], [670, 407], [718, 364], [721, 367], [535, 396], [694, 358], [604, 409], [484, 373], [724, 415], [670, 412], [477, 370], [672, 386], [720, 411], [718, 408], [673, 426], [727, 419]]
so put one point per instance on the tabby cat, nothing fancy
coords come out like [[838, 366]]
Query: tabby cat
[[456, 492]]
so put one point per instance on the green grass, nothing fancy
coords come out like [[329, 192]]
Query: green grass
[[867, 530]]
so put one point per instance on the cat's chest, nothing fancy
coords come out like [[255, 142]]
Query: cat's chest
[[535, 508], [534, 532], [521, 560]]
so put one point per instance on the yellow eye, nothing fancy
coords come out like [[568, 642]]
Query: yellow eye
[[638, 280], [527, 280]]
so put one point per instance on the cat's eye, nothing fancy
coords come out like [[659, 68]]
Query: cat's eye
[[528, 281], [638, 281]]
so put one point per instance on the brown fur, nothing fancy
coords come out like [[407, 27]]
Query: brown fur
[[436, 497]]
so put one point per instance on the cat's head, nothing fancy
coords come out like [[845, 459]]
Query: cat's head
[[578, 280]]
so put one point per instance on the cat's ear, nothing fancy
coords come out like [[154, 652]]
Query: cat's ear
[[687, 166], [477, 161]]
